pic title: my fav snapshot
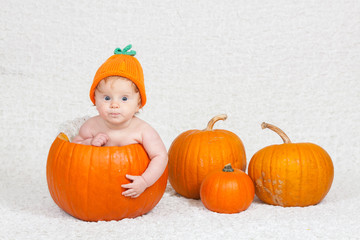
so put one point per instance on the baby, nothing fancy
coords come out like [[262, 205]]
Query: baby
[[118, 92]]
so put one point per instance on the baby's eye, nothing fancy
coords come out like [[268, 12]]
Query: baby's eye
[[124, 99], [107, 98]]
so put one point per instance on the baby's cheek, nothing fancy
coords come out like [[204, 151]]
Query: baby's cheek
[[101, 107]]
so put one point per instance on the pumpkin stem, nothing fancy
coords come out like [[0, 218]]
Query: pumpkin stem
[[283, 136], [228, 168], [214, 120]]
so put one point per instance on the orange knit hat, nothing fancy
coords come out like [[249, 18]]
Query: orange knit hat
[[123, 64]]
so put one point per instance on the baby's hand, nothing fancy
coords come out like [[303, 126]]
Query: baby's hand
[[100, 139], [135, 188]]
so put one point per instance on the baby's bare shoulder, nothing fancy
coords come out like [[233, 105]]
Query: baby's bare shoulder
[[90, 125], [141, 124], [91, 121], [146, 131]]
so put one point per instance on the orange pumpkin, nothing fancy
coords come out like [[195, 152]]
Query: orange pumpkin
[[227, 191], [85, 181], [291, 174], [195, 153]]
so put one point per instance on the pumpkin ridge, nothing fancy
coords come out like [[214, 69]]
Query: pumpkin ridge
[[286, 177], [235, 185], [145, 201], [329, 174], [55, 191], [275, 196], [241, 182], [319, 176], [217, 200], [187, 162], [128, 158], [258, 175], [110, 166], [198, 150], [49, 167], [322, 162], [68, 197], [266, 192], [301, 163], [58, 167], [250, 191], [279, 181], [173, 147], [218, 147], [309, 158], [242, 154], [86, 208], [305, 158], [186, 143]]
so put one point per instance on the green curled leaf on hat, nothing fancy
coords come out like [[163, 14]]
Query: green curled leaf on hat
[[125, 51]]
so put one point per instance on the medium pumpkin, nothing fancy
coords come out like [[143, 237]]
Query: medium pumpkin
[[195, 153], [291, 174], [85, 181], [227, 191]]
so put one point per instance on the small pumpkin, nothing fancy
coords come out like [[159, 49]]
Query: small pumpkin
[[85, 181], [291, 174], [227, 191], [195, 153]]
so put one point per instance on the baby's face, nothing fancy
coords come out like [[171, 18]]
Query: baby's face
[[116, 100]]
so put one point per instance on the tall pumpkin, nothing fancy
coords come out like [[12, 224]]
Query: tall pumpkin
[[291, 174], [194, 153], [85, 181]]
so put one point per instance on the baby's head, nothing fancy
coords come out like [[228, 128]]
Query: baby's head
[[122, 64]]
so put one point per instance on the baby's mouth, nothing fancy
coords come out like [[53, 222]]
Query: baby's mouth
[[114, 114]]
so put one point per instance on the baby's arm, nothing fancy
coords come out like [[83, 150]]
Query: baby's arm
[[86, 137], [157, 153]]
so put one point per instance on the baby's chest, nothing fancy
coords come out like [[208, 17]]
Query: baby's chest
[[117, 138]]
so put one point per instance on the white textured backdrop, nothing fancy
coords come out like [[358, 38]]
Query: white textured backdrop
[[295, 64]]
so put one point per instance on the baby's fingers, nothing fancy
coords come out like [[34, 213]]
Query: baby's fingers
[[136, 195], [130, 193], [128, 185], [131, 177], [96, 143], [104, 136]]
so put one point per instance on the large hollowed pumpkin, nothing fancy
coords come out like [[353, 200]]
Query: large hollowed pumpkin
[[227, 191], [195, 153], [291, 174], [85, 181]]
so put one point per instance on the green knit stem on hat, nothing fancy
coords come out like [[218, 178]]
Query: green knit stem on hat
[[125, 51]]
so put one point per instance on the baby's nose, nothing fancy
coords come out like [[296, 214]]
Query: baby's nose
[[114, 104]]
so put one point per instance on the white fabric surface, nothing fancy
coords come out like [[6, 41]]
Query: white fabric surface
[[291, 63]]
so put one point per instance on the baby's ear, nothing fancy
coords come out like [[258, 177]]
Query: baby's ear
[[139, 102], [138, 106]]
